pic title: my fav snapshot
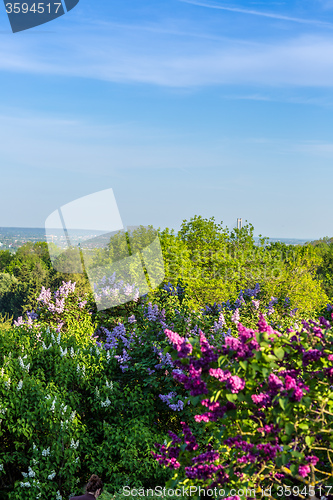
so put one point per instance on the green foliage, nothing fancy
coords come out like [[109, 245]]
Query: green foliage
[[6, 282], [5, 259], [69, 407], [30, 268], [59, 388], [278, 425], [215, 263], [66, 412]]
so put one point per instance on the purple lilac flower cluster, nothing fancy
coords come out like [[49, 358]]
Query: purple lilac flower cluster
[[112, 339], [215, 309], [168, 456], [60, 297], [179, 290], [165, 359], [252, 454], [216, 411], [108, 292], [122, 360], [211, 310], [271, 304], [152, 313], [203, 464], [286, 303], [179, 343], [276, 385], [32, 317], [218, 325], [244, 346], [240, 301], [286, 383], [174, 406], [252, 292], [234, 383], [52, 303]]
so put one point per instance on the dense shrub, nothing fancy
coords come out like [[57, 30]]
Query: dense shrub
[[83, 390], [266, 402], [75, 399], [215, 263]]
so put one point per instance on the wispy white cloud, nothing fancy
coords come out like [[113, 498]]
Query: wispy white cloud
[[272, 15], [127, 55], [279, 95]]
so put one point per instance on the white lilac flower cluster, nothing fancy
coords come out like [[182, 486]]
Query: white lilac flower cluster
[[53, 405], [19, 385], [28, 484], [46, 452], [52, 475], [24, 367], [63, 352], [218, 326], [56, 340], [44, 346], [25, 485], [81, 370], [3, 410], [109, 385], [52, 408], [30, 473], [106, 403], [74, 444]]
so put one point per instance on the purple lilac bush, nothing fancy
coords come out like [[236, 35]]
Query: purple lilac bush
[[61, 310], [265, 404], [263, 381]]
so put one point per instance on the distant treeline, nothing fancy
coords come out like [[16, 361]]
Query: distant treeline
[[213, 262]]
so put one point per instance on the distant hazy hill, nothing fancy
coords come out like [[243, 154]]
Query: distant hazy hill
[[287, 241], [20, 235]]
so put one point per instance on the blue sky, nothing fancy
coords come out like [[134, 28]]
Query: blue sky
[[184, 108]]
